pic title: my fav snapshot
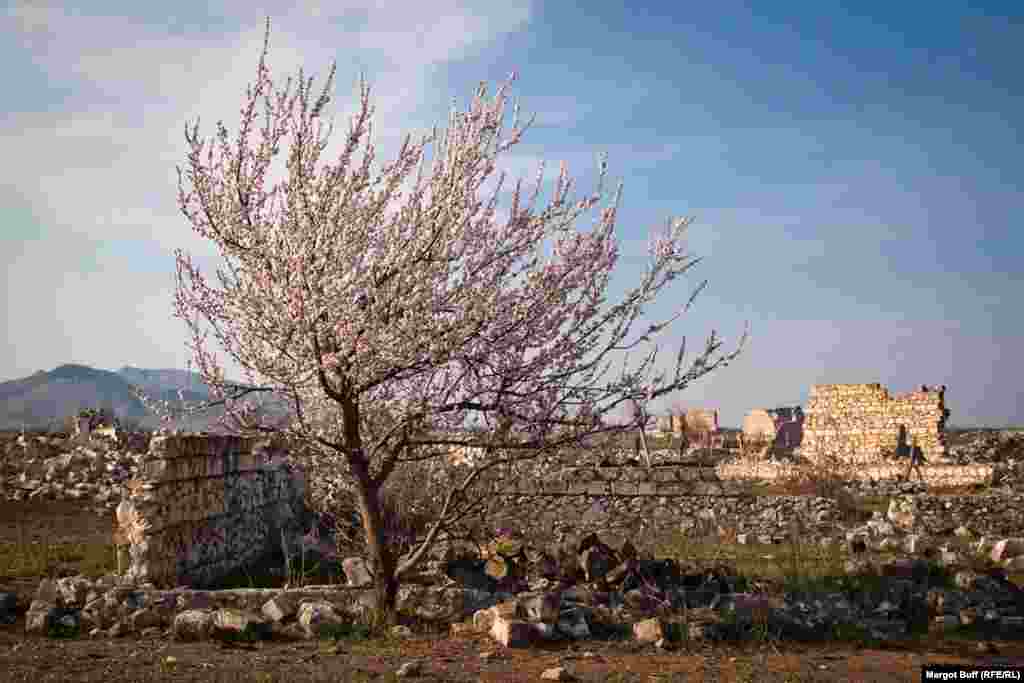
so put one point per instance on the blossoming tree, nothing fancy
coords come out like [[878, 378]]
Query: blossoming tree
[[392, 309]]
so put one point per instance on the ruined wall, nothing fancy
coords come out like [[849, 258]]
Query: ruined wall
[[696, 421], [204, 506], [939, 476], [722, 479], [541, 516], [758, 424], [857, 423], [781, 427]]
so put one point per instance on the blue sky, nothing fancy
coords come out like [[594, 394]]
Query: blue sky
[[854, 175]]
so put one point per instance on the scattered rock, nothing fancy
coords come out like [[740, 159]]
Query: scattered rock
[[409, 670], [357, 572], [572, 589]]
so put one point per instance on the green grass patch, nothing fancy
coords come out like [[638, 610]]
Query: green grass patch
[[796, 566], [31, 559], [353, 631]]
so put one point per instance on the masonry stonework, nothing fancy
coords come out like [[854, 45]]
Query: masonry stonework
[[696, 421], [759, 425], [779, 427], [204, 506], [858, 424]]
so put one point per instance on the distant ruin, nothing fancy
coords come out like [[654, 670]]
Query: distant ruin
[[692, 422], [860, 424], [778, 427], [98, 422], [860, 431]]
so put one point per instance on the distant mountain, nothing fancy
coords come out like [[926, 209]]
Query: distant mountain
[[163, 385], [44, 399]]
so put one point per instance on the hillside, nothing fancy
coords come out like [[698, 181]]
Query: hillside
[[44, 399]]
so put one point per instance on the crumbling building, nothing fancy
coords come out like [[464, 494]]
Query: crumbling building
[[859, 424]]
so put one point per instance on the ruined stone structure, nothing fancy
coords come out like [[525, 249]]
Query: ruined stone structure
[[696, 421], [859, 424], [758, 425], [204, 506], [852, 429], [789, 426], [780, 427], [94, 422], [692, 422]]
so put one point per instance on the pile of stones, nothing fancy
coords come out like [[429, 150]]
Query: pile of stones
[[90, 469], [522, 594], [1004, 449]]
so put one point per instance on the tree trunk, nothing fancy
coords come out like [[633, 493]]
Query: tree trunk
[[382, 558], [387, 598]]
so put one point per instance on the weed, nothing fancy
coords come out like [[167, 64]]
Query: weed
[[345, 631], [168, 664], [59, 629]]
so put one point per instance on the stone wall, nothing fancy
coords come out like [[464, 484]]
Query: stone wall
[[858, 424], [204, 506], [937, 476], [780, 427], [759, 425], [624, 481], [696, 421], [541, 516], [693, 422], [545, 515], [723, 479]]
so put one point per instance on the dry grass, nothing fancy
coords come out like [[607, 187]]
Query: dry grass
[[28, 557]]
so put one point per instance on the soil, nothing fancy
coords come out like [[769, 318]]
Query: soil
[[37, 658]]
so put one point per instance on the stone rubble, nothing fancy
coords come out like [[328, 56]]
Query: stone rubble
[[1003, 449], [87, 468], [582, 587], [581, 590]]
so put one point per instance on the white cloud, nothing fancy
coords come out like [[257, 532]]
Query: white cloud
[[101, 168]]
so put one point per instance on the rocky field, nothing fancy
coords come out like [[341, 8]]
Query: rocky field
[[862, 586]]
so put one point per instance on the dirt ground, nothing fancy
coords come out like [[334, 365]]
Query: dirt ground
[[464, 659], [37, 659]]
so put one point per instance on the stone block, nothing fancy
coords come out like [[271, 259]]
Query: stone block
[[1006, 549], [280, 608], [654, 630], [512, 632]]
